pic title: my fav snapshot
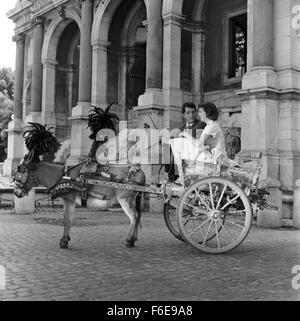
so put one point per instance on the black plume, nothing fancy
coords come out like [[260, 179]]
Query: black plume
[[99, 119], [40, 141]]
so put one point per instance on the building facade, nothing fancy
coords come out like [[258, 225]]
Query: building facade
[[150, 56]]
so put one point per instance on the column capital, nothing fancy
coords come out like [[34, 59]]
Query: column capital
[[195, 26], [100, 44], [37, 21], [173, 18], [49, 63], [19, 38]]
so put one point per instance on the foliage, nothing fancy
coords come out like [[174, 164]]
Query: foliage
[[6, 107], [7, 82]]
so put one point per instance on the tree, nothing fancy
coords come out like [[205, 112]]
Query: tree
[[7, 80], [6, 107]]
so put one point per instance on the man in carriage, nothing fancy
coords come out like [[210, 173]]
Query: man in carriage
[[196, 151]]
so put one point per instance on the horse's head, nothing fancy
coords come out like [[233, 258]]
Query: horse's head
[[24, 178], [39, 142]]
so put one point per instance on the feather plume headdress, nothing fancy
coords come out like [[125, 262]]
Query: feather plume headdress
[[40, 141], [100, 119]]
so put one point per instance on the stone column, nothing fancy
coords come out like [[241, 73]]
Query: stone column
[[172, 94], [99, 73], [79, 133], [150, 108], [85, 62], [260, 69], [154, 45], [37, 70], [48, 97], [198, 61], [15, 138], [260, 97], [153, 96]]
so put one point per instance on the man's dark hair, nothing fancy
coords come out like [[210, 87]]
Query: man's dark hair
[[188, 105], [210, 110]]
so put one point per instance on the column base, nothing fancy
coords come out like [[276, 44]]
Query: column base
[[33, 117], [15, 146], [80, 142], [272, 218], [260, 78]]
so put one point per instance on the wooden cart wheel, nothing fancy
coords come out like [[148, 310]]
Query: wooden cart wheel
[[220, 215], [171, 221]]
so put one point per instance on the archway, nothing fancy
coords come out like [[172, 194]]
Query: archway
[[127, 56], [66, 78], [119, 39]]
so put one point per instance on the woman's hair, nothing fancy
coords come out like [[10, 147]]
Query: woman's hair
[[210, 110]]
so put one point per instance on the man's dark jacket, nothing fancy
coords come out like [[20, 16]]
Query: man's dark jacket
[[197, 124]]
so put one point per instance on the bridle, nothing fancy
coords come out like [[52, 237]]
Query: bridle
[[24, 178]]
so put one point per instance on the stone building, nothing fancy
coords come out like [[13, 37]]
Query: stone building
[[149, 56]]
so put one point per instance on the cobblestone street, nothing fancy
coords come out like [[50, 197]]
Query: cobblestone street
[[97, 265]]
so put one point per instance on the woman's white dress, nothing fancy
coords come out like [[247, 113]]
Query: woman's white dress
[[188, 149]]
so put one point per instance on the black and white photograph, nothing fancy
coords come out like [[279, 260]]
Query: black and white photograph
[[150, 153]]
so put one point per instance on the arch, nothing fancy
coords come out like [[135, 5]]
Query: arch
[[129, 26], [103, 18], [175, 7], [54, 31]]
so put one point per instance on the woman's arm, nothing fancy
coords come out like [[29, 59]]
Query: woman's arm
[[201, 142]]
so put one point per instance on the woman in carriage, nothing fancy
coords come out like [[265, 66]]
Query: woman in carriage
[[209, 148]]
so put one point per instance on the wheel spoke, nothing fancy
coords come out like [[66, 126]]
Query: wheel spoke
[[204, 241], [236, 224], [196, 208], [211, 196], [217, 234], [236, 212], [230, 202], [226, 231], [203, 201], [222, 194], [199, 227]]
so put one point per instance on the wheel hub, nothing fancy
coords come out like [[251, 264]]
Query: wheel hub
[[215, 215]]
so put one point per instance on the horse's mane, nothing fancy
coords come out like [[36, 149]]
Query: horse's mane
[[40, 142], [99, 119]]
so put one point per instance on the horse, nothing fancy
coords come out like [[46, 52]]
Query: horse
[[35, 171]]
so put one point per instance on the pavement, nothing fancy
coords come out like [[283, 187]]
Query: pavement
[[98, 266]]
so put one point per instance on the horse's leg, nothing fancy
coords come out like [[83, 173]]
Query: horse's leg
[[128, 207], [69, 207], [139, 209]]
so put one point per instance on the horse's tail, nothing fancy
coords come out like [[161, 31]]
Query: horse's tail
[[139, 200]]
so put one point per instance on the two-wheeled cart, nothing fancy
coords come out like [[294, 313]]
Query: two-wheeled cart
[[213, 212]]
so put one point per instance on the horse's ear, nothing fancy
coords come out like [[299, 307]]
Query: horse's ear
[[29, 157]]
